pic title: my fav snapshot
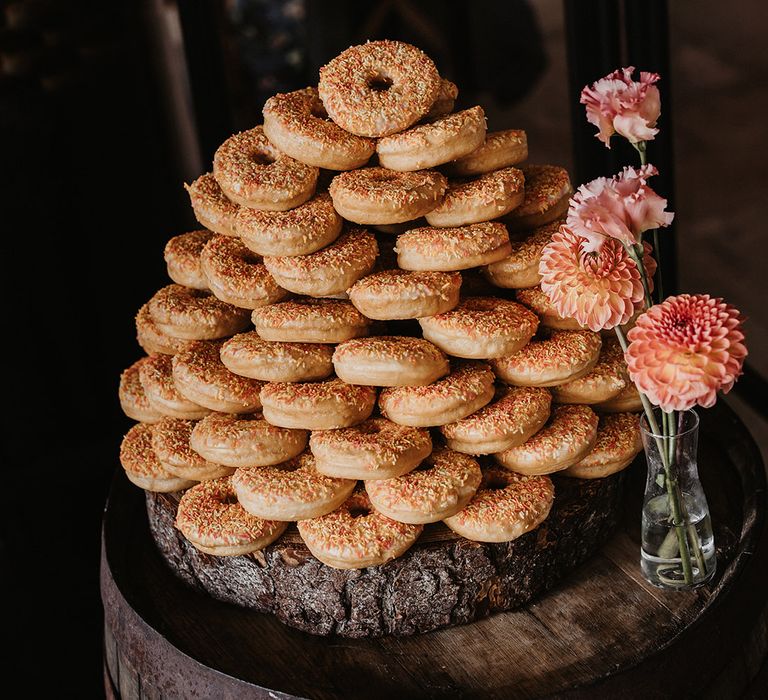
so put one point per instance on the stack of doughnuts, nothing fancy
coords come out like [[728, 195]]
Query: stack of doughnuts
[[316, 358]]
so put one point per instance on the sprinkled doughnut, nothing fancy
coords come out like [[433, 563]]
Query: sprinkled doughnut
[[499, 150], [297, 123], [379, 88], [486, 197], [317, 405], [514, 418], [382, 196], [389, 361], [447, 249], [565, 440], [182, 257], [373, 449], [539, 302], [618, 442], [628, 399], [438, 488], [400, 294], [438, 141], [133, 399], [446, 98], [300, 231], [201, 376], [481, 327], [253, 173], [505, 507], [466, 389], [331, 270], [603, 382], [236, 275], [547, 191], [520, 268], [245, 440], [294, 490], [249, 356], [554, 358], [142, 466], [210, 517], [170, 441], [193, 314], [156, 374], [355, 535], [152, 340], [310, 321], [211, 206]]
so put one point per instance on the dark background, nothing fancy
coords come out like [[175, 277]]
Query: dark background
[[98, 130]]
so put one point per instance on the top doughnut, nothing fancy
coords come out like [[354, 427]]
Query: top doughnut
[[379, 88]]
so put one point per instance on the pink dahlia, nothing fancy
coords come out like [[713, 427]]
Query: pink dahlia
[[600, 289], [617, 104], [684, 350], [621, 207]]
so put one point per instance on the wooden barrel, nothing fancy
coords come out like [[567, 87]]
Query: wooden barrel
[[601, 632]]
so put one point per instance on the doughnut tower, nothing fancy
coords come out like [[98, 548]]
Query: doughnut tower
[[356, 342]]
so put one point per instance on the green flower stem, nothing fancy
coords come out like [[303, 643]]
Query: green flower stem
[[640, 147], [637, 259]]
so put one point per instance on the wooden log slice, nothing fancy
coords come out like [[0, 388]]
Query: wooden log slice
[[443, 580]]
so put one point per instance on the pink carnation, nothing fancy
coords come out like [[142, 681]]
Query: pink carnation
[[622, 207], [617, 104], [600, 289], [684, 350]]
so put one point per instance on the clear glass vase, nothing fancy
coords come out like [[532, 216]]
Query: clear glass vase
[[678, 547]]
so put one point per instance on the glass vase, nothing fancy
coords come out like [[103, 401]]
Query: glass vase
[[678, 547]]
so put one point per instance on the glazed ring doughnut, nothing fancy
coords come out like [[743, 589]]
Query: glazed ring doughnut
[[310, 321], [389, 360], [555, 358], [374, 449], [547, 192], [446, 98], [211, 207], [235, 274], [317, 405], [250, 356], [466, 389], [379, 88], [484, 198], [438, 488], [539, 302], [505, 507], [565, 440], [142, 466], [355, 535], [156, 374], [510, 421], [201, 376], [448, 249], [499, 150], [245, 441], [399, 294], [520, 269], [133, 400], [606, 379], [291, 491], [627, 399], [439, 141], [152, 340], [182, 256], [253, 173], [381, 196], [192, 314], [331, 270], [481, 327], [618, 442], [170, 441], [296, 122], [300, 231], [210, 517]]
